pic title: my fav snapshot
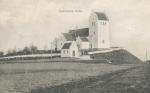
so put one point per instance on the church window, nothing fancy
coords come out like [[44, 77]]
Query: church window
[[64, 51], [103, 41], [93, 23], [103, 23]]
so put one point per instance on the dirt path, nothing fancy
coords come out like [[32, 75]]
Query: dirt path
[[133, 80]]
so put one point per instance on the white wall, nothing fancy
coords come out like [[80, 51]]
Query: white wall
[[81, 44], [65, 53], [93, 34], [103, 34], [78, 41], [85, 45], [74, 48]]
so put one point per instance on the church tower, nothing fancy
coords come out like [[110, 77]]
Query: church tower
[[99, 30]]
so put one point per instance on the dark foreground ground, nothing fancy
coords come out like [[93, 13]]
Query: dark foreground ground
[[132, 80]]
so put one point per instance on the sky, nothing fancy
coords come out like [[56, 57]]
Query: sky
[[38, 22]]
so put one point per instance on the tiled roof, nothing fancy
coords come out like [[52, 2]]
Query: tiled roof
[[101, 16], [84, 39], [66, 46], [69, 37], [83, 32]]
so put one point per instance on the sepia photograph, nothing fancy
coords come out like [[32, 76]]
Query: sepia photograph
[[74, 46]]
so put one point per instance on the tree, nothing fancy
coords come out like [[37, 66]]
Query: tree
[[1, 53], [26, 50], [55, 42], [33, 49], [14, 52], [9, 53]]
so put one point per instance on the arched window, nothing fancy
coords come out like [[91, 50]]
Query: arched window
[[94, 32], [103, 23], [103, 41], [93, 23], [73, 53], [64, 51], [91, 45]]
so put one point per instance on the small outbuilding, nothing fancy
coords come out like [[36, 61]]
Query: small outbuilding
[[83, 44], [70, 49]]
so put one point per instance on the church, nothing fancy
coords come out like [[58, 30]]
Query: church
[[79, 42]]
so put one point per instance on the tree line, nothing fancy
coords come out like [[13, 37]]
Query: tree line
[[26, 51]]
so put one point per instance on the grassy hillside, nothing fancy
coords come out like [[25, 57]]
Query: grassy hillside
[[20, 78], [118, 57]]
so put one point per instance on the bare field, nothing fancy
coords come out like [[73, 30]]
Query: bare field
[[22, 77]]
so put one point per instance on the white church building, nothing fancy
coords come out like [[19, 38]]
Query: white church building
[[78, 42]]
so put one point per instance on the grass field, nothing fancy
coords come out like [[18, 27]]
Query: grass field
[[22, 77]]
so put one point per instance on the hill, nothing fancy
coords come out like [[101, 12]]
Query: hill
[[118, 57]]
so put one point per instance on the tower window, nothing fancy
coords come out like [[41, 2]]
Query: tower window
[[103, 23], [93, 23], [103, 41], [64, 51]]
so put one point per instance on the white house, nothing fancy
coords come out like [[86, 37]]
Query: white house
[[99, 30], [70, 49]]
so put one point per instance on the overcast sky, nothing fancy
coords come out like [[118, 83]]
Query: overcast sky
[[38, 22]]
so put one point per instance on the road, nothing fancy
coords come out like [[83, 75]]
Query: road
[[133, 80]]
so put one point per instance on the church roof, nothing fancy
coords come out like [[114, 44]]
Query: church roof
[[69, 37], [66, 46], [83, 32], [101, 16], [84, 39]]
